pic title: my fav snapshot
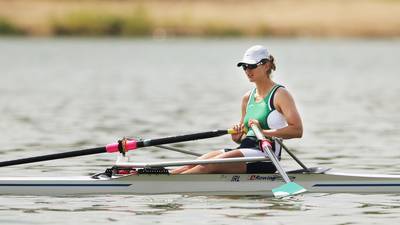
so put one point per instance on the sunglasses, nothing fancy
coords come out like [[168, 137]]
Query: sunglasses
[[253, 66]]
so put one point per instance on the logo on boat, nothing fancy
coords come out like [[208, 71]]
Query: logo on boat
[[267, 178], [258, 177]]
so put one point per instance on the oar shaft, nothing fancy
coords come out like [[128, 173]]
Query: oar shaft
[[182, 138], [62, 155], [290, 188], [260, 136], [133, 144], [114, 147]]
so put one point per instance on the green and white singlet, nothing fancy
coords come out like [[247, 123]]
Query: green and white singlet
[[269, 118], [264, 111]]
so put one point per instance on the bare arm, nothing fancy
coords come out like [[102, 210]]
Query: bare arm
[[239, 127], [285, 104]]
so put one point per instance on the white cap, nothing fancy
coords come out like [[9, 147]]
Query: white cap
[[254, 55]]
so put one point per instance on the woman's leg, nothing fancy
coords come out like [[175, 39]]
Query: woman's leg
[[208, 155], [220, 168]]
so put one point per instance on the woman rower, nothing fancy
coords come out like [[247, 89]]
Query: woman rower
[[269, 106]]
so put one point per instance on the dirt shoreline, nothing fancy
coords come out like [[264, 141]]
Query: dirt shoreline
[[320, 18]]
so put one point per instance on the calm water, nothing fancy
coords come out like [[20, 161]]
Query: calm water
[[67, 94]]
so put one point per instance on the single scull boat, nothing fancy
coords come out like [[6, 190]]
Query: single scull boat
[[154, 178], [158, 181]]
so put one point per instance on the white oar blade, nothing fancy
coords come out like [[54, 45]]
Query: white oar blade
[[288, 189]]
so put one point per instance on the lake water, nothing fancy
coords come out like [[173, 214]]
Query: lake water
[[66, 94]]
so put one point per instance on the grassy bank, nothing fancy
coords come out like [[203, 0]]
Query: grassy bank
[[8, 28], [137, 23], [95, 23], [352, 18]]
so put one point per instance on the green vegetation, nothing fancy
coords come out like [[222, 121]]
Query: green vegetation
[[221, 30], [136, 23], [201, 18], [7, 28], [86, 23]]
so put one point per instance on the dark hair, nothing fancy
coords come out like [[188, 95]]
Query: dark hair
[[271, 60]]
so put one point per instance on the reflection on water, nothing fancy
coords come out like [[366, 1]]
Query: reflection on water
[[70, 94], [312, 208]]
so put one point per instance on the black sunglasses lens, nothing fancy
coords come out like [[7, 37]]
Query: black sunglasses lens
[[249, 66]]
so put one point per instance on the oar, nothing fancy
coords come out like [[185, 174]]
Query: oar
[[122, 146], [290, 188]]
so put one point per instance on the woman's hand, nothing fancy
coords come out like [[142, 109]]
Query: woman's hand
[[255, 122], [239, 128]]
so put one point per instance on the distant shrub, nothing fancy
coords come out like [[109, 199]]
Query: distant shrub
[[7, 28], [138, 23], [87, 23], [263, 30], [221, 30], [101, 23]]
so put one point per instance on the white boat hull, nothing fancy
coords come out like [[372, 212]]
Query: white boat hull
[[200, 184]]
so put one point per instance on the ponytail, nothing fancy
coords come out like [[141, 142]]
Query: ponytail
[[271, 61]]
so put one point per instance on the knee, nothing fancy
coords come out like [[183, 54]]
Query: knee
[[207, 168], [231, 154], [211, 154]]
